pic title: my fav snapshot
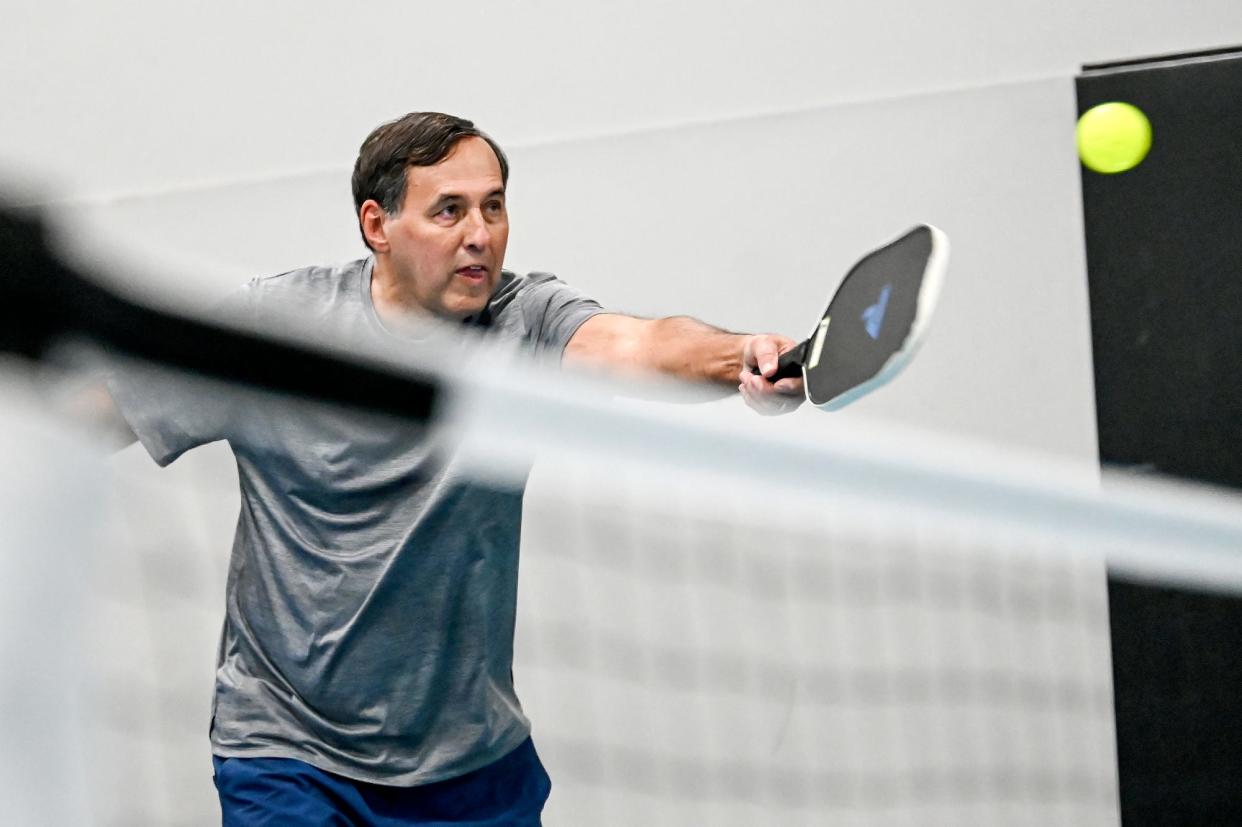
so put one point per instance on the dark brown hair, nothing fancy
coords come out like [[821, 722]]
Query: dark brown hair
[[418, 139]]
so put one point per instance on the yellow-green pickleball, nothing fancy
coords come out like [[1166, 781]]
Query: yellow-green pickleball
[[1113, 137]]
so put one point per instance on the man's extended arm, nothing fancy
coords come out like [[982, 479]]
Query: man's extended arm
[[688, 349]]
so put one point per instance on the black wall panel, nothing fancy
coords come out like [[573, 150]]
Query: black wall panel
[[1164, 253], [1164, 259]]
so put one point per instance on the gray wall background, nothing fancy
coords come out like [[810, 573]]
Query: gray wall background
[[727, 160]]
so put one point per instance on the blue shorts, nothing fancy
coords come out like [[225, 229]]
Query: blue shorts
[[283, 792]]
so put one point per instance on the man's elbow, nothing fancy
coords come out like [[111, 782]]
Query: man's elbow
[[611, 342]]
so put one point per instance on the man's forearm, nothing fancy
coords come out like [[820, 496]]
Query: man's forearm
[[677, 346], [689, 349]]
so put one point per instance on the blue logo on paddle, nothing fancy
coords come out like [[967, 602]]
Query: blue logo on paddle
[[873, 316]]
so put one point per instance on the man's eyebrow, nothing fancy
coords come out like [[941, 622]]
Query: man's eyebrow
[[448, 197]]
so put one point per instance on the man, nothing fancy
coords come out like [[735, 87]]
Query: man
[[364, 674]]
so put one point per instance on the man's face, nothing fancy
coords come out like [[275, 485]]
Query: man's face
[[447, 244]]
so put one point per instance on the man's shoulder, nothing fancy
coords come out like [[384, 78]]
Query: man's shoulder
[[316, 290], [325, 279], [514, 287], [540, 308]]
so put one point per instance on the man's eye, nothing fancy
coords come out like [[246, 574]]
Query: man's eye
[[496, 206], [448, 211]]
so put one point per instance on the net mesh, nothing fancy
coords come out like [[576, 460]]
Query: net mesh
[[699, 649], [715, 626]]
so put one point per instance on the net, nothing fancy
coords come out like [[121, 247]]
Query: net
[[720, 621], [833, 662]]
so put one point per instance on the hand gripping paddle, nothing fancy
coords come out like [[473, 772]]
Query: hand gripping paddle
[[874, 323]]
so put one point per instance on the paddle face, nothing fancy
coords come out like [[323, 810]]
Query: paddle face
[[875, 320]]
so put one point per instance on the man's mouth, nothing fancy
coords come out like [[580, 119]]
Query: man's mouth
[[475, 272]]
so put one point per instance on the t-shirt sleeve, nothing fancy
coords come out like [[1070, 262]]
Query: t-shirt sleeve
[[553, 312], [170, 411]]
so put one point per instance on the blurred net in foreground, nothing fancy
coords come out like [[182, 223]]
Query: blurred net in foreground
[[707, 650], [755, 625], [719, 622]]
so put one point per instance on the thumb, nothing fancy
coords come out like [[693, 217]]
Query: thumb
[[766, 352]]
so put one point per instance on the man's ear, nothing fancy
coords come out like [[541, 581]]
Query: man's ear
[[372, 218]]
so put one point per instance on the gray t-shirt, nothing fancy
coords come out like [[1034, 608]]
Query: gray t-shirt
[[373, 584]]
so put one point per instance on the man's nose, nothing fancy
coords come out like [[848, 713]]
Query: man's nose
[[477, 236]]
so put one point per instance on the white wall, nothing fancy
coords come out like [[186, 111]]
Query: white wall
[[135, 95], [748, 223]]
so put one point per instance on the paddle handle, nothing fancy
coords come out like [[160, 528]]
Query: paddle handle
[[790, 364]]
